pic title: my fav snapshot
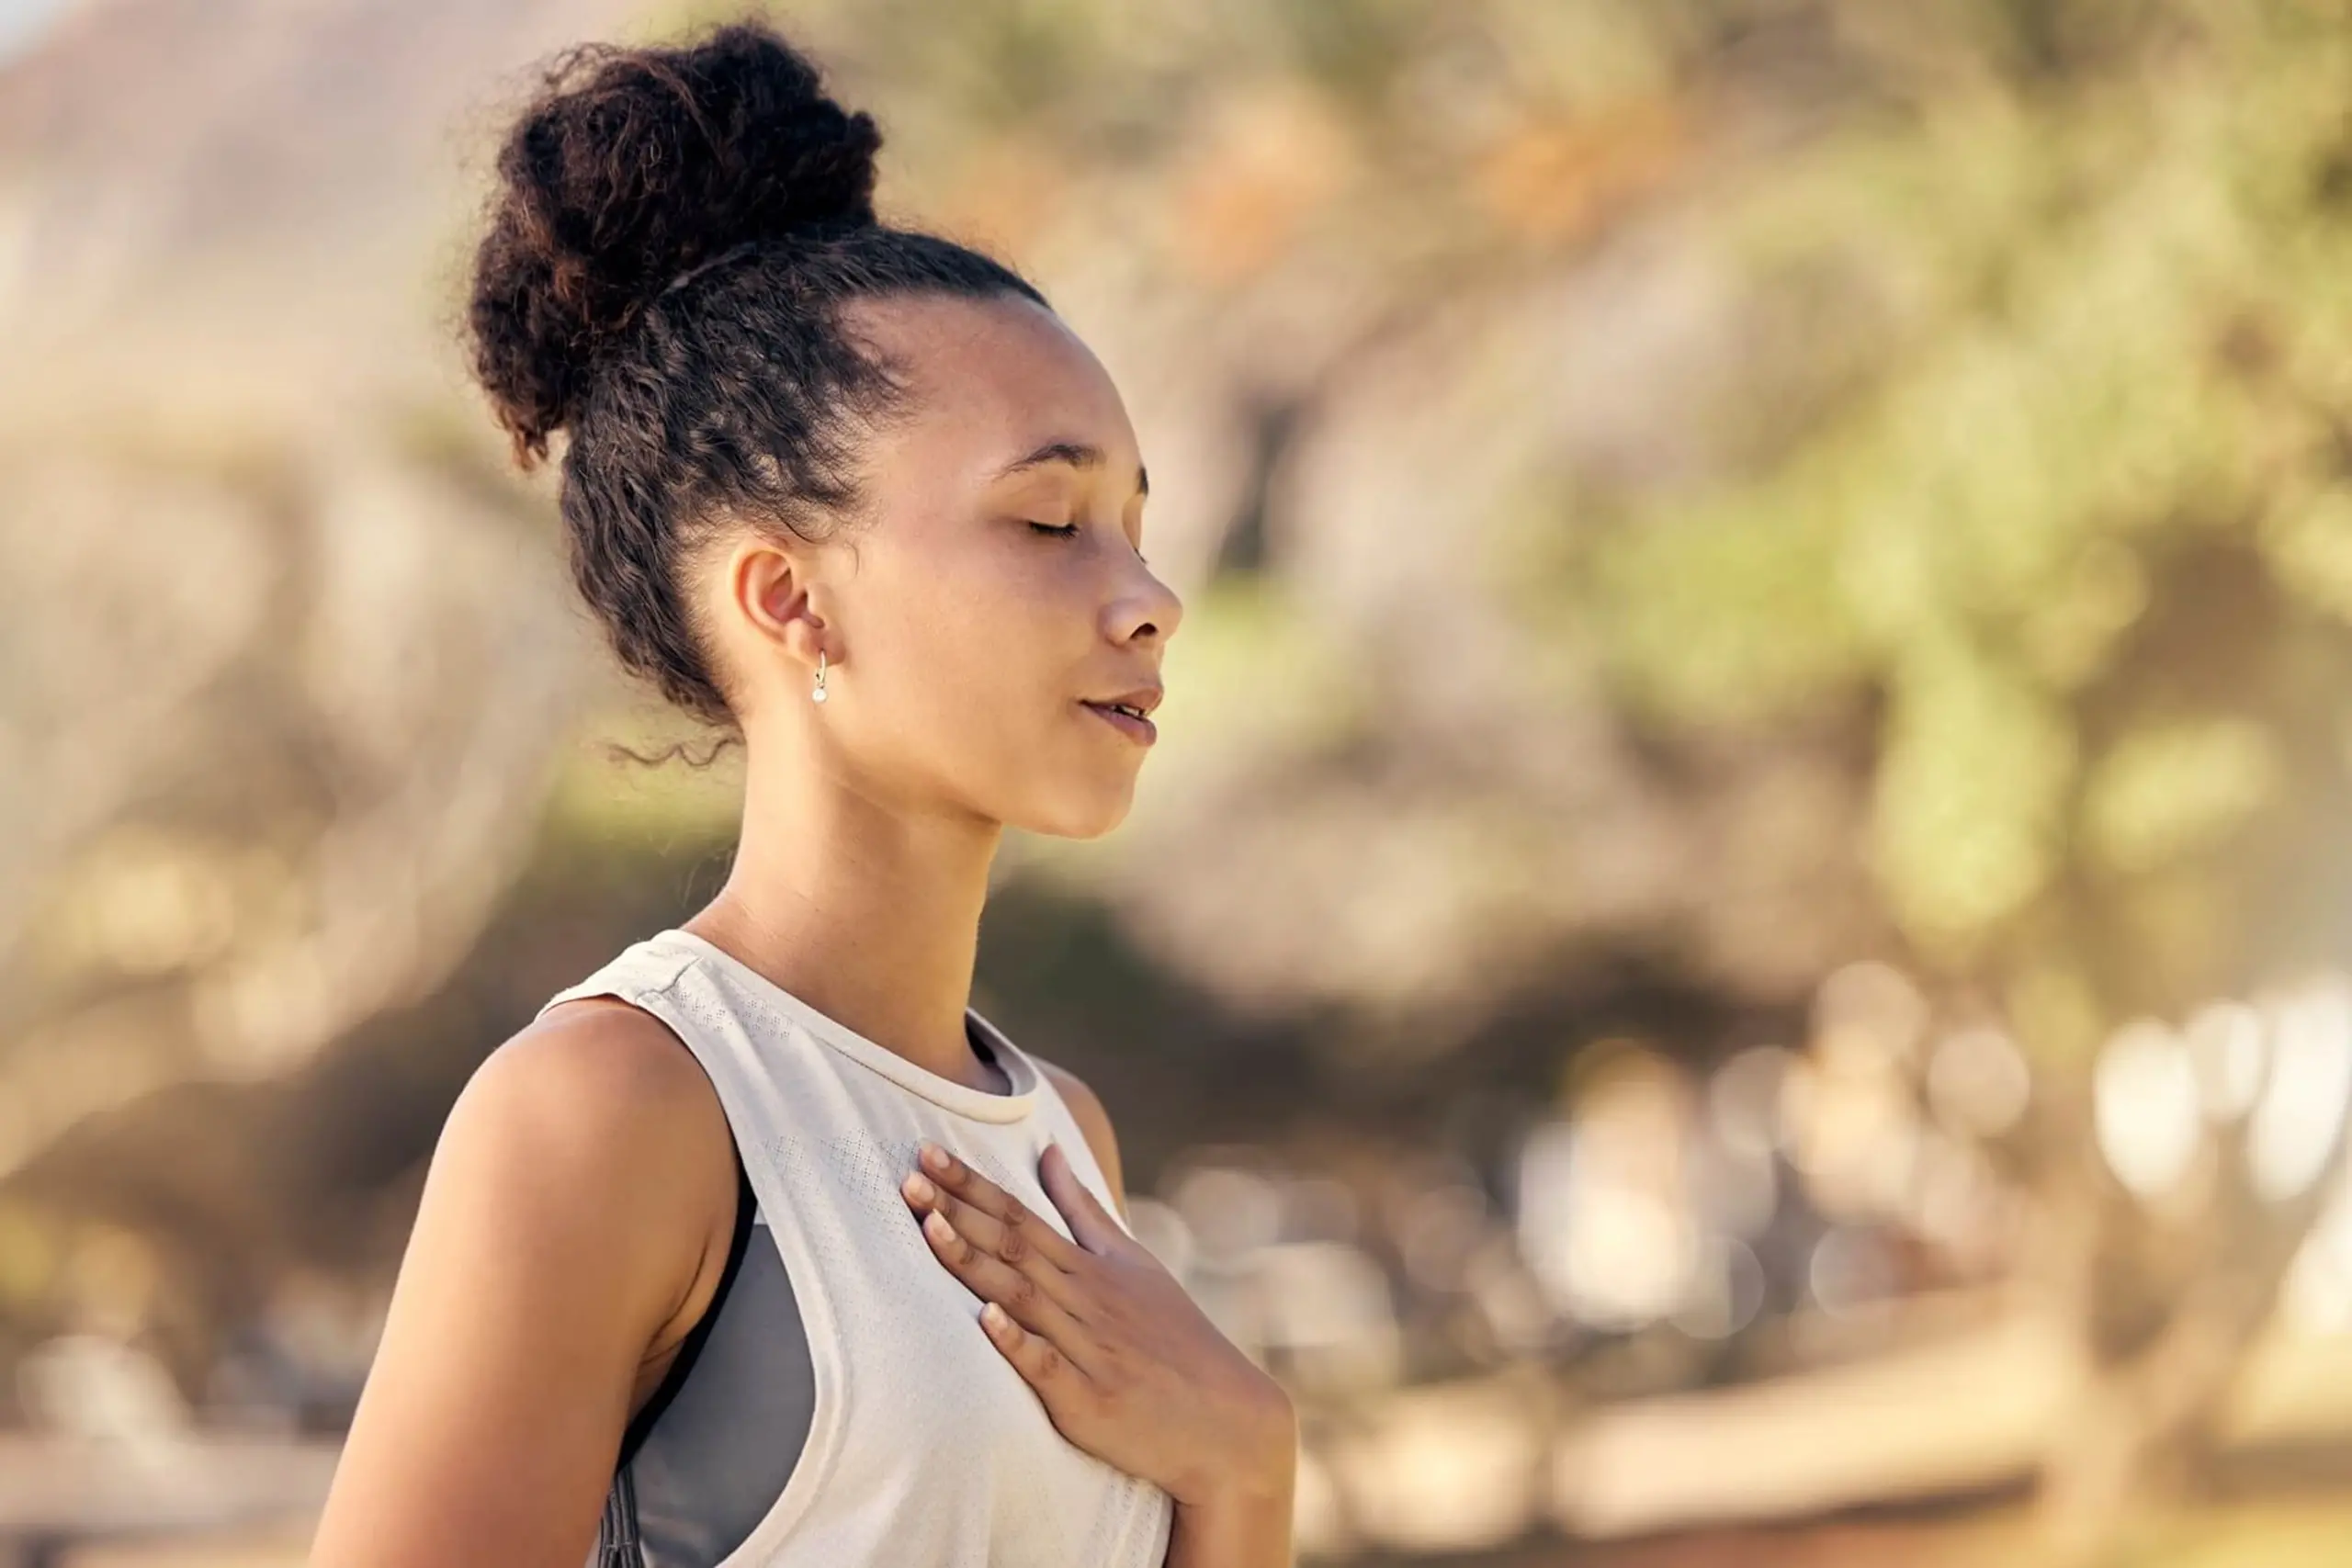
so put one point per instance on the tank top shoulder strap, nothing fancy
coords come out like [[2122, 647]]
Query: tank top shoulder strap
[[637, 970]]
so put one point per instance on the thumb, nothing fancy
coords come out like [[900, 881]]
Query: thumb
[[1093, 1226]]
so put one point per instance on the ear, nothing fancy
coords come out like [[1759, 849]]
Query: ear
[[773, 594]]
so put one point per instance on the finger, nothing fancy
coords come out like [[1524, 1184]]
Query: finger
[[1094, 1226], [960, 1181], [1017, 1293], [1014, 1239], [1060, 1383]]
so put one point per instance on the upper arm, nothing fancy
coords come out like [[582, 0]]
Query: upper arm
[[1086, 1109], [565, 1222]]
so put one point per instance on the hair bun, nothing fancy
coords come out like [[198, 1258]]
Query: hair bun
[[630, 168]]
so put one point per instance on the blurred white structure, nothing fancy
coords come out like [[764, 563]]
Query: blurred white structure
[[2146, 1108], [2295, 1122]]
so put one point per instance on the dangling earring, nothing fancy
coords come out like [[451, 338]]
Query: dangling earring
[[818, 694]]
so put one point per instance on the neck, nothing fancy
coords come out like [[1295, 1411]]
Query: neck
[[868, 909]]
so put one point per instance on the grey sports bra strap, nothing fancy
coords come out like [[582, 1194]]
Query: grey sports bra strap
[[617, 1544]]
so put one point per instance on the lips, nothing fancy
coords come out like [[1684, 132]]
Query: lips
[[1139, 701], [1127, 722]]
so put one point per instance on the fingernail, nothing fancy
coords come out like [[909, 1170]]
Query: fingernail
[[993, 1315], [935, 1158], [918, 1188], [936, 1224]]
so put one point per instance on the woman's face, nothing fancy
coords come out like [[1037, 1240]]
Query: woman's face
[[996, 586]]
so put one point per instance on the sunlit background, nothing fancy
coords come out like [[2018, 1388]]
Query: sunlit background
[[1738, 946]]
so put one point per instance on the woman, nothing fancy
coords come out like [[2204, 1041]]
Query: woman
[[857, 493]]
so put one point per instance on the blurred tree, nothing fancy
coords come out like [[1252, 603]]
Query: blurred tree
[[2086, 535]]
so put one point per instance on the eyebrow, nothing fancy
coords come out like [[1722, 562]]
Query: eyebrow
[[1077, 454]]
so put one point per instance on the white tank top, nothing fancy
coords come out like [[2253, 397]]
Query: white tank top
[[925, 1444]]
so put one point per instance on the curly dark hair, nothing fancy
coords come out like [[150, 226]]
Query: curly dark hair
[[673, 234]]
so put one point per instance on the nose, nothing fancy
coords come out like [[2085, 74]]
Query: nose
[[1145, 607]]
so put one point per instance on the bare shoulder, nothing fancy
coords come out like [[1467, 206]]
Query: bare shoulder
[[596, 1115], [564, 1239], [600, 1059], [615, 1103], [1086, 1109]]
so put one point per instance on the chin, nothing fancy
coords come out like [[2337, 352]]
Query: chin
[[1083, 818]]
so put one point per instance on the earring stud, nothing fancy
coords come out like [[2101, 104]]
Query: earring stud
[[818, 694]]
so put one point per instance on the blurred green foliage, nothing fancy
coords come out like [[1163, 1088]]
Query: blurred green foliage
[[2111, 373]]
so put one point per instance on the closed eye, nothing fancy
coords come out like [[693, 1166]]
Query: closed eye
[[1067, 530]]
